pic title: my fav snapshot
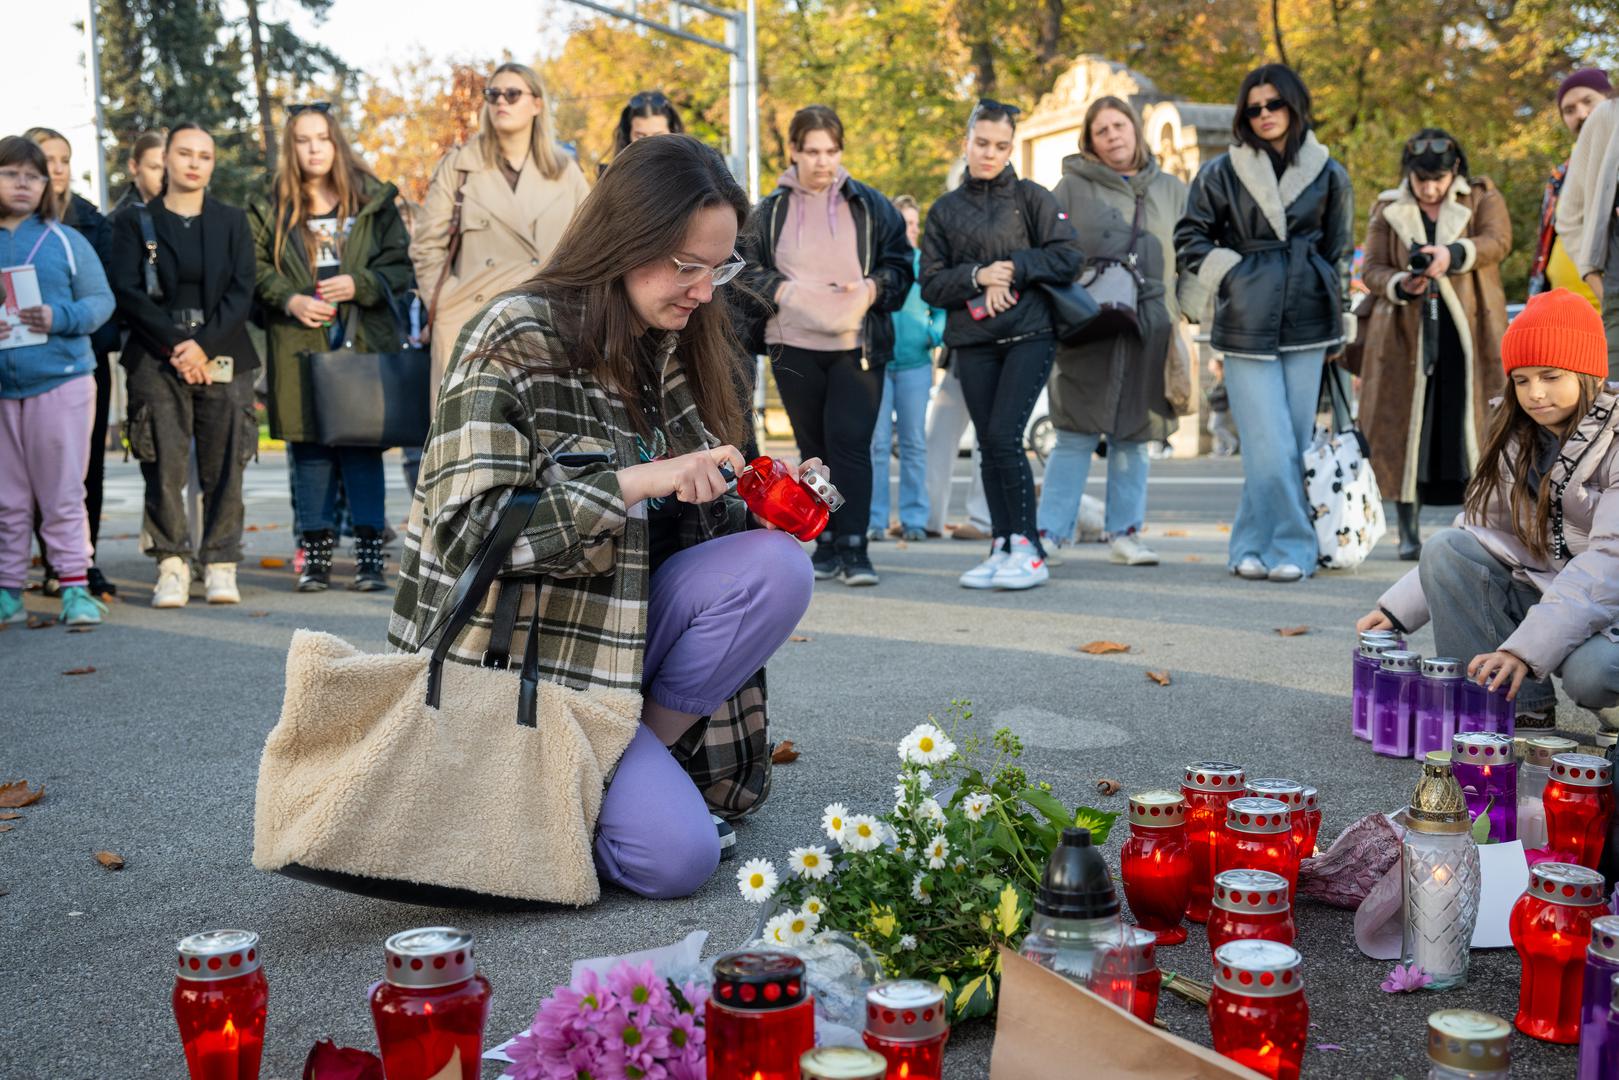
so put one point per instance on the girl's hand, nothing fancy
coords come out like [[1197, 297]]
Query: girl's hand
[[337, 289], [37, 319], [1373, 620], [998, 298], [691, 478], [1506, 668], [310, 311]]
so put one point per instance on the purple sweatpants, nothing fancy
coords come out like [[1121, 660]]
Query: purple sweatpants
[[717, 612], [44, 450]]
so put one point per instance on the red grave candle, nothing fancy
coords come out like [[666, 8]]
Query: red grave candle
[[776, 494], [906, 1023], [1207, 786], [760, 1017], [1258, 835], [1551, 926], [1579, 804], [220, 998], [1312, 821], [1257, 1012], [1284, 791], [431, 1006], [1141, 946], [1250, 905], [1157, 864]]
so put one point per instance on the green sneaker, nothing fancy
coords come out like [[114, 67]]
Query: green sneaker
[[79, 608], [11, 607]]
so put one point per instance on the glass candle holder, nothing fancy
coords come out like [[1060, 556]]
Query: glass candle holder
[[1257, 1012], [1290, 792], [1258, 835], [1610, 1054], [1579, 805], [772, 491], [1534, 770], [1367, 656], [1596, 997], [1312, 821], [1550, 925], [1208, 786], [1482, 763], [1468, 1045], [843, 1063], [1156, 864], [760, 1017], [1147, 980], [431, 1006], [1438, 694], [906, 1023], [1394, 703], [1250, 905], [1478, 709], [220, 997], [1440, 877]]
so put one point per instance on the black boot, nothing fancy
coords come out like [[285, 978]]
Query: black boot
[[1410, 535], [317, 575], [368, 575], [857, 568], [826, 560]]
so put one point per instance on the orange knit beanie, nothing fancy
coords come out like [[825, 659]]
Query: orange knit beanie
[[1557, 329]]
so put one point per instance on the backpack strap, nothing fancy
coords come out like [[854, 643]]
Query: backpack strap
[[67, 249], [154, 291]]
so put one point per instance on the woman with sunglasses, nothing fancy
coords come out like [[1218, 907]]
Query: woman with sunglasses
[[333, 260], [609, 382], [648, 113], [1266, 240], [1431, 361], [495, 209]]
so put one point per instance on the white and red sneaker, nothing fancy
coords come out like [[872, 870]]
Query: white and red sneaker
[[1024, 567]]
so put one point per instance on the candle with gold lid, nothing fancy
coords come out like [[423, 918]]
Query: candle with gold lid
[[1464, 1044], [1440, 877]]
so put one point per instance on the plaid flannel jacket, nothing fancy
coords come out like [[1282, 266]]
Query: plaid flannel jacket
[[500, 426]]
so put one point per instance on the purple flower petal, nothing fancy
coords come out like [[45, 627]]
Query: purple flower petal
[[1328, 1046]]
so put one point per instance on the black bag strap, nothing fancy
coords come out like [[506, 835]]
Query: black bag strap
[[348, 315], [1135, 232], [154, 291], [499, 652]]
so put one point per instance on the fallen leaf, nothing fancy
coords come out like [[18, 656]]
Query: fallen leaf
[[1097, 648], [1174, 532], [17, 793], [1223, 527], [1159, 677], [1107, 786], [800, 637], [109, 860], [9, 815], [1292, 631], [272, 563], [35, 622], [1194, 558], [784, 753], [250, 528], [4, 891], [902, 545], [7, 827], [86, 670], [257, 614]]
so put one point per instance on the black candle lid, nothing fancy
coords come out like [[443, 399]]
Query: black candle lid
[[759, 980], [1076, 884]]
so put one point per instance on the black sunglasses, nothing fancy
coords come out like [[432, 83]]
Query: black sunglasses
[[1275, 104], [991, 105], [1430, 146], [510, 95], [649, 99], [322, 107]]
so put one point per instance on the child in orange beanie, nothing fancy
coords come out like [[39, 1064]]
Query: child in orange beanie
[[1527, 584]]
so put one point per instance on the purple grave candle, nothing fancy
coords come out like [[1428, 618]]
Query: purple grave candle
[[1482, 763], [1394, 703], [1480, 710], [1601, 965], [1437, 695], [1367, 656]]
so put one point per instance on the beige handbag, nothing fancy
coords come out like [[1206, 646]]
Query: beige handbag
[[1178, 375], [370, 784]]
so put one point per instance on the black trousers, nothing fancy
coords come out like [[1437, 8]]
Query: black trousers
[[165, 415], [833, 405], [1001, 382]]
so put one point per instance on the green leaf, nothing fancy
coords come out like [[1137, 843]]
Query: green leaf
[[1099, 822], [1047, 804], [1008, 913], [971, 989], [1481, 824]]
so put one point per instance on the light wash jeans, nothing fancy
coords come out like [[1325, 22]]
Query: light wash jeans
[[1273, 402], [1070, 466], [905, 401]]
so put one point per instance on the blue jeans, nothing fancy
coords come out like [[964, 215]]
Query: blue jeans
[[1273, 403], [1068, 469], [316, 473], [905, 395]]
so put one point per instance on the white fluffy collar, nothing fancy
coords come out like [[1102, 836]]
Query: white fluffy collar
[[1274, 196]]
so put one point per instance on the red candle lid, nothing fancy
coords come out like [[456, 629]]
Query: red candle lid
[[1565, 883], [1605, 937], [1480, 748], [1257, 968], [1254, 815], [1582, 770], [1250, 891], [218, 954], [1158, 809], [1216, 776], [1271, 787], [758, 981], [906, 1010], [429, 956]]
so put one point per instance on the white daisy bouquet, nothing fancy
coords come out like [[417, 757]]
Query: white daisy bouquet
[[936, 884]]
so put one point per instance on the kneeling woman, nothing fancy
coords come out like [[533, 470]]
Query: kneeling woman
[[1539, 535], [609, 381]]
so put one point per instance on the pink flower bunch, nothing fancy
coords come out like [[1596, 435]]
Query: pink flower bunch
[[1404, 979], [630, 1026]]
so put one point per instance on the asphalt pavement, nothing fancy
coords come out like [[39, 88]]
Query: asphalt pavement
[[153, 756]]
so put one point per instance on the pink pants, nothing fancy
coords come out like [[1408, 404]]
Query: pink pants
[[44, 450]]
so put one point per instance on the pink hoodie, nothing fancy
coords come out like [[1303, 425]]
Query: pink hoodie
[[818, 249]]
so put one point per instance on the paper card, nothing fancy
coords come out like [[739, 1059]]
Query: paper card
[[1504, 875], [21, 287]]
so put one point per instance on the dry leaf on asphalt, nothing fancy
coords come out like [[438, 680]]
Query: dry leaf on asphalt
[[1194, 558], [1223, 527], [800, 637], [17, 793], [9, 815], [1097, 648], [86, 670], [1108, 786], [257, 614], [7, 827], [1292, 631], [1174, 532], [784, 753], [1159, 677], [37, 623], [272, 563], [109, 860]]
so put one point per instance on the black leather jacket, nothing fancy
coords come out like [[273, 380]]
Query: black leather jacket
[[1275, 253]]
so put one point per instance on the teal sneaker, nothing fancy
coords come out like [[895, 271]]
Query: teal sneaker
[[79, 608], [11, 607]]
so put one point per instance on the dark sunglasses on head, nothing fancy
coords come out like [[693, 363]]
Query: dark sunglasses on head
[[1273, 105], [649, 99], [322, 107], [510, 95], [1430, 146], [991, 105]]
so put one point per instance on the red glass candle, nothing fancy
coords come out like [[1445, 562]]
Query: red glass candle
[[431, 1006], [1312, 822], [1146, 980], [1579, 805], [1257, 1011], [1291, 793], [760, 1017], [1207, 786], [1157, 864], [1551, 925], [219, 1002], [906, 1023], [772, 491], [1250, 905], [1258, 835]]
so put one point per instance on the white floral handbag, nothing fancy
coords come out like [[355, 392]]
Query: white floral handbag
[[1341, 488]]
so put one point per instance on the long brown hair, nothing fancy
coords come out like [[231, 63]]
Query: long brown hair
[[1118, 105], [348, 177], [1508, 455], [638, 214], [542, 147]]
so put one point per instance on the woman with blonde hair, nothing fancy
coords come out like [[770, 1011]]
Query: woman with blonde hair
[[331, 257], [495, 209]]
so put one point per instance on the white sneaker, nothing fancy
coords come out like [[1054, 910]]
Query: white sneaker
[[1092, 518], [1053, 548], [1128, 550], [1285, 572], [1024, 567], [173, 589], [220, 581], [1251, 568], [982, 576]]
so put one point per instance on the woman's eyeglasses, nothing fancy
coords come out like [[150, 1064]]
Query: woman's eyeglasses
[[29, 178], [649, 99], [1430, 146], [322, 107], [688, 274], [1273, 105], [510, 95]]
